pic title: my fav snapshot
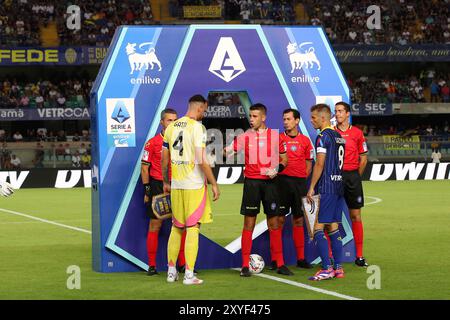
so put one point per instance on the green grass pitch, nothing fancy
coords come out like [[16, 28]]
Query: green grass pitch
[[406, 235]]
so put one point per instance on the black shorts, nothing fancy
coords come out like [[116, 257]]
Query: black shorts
[[156, 187], [353, 191], [291, 191], [257, 191]]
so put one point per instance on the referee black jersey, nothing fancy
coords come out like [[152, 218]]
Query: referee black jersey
[[330, 142]]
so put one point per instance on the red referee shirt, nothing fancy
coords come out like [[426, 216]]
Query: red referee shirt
[[261, 151], [355, 144], [299, 149], [152, 156]]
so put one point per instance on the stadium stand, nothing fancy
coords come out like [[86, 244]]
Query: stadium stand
[[427, 86], [344, 21], [66, 93], [418, 22]]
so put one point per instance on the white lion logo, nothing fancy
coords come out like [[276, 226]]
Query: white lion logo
[[139, 60], [297, 59]]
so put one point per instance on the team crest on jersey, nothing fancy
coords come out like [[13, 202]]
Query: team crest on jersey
[[293, 148]]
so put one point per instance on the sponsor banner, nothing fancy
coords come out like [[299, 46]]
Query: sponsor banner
[[344, 53], [371, 109], [45, 114], [225, 174], [47, 178], [120, 122], [41, 56], [396, 142], [392, 53], [407, 171], [225, 112], [94, 55], [196, 12]]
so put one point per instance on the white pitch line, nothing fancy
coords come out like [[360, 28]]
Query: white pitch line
[[304, 286], [45, 221], [376, 200]]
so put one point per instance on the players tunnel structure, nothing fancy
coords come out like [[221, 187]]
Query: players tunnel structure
[[150, 67]]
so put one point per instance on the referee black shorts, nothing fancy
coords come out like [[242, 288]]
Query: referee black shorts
[[353, 191], [257, 191], [291, 191], [156, 188]]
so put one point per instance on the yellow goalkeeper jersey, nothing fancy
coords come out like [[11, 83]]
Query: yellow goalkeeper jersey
[[182, 137]]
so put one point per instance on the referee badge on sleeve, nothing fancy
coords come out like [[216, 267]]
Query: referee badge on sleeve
[[311, 211]]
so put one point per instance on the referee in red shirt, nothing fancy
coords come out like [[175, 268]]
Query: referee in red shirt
[[292, 180], [265, 156], [152, 179], [355, 161]]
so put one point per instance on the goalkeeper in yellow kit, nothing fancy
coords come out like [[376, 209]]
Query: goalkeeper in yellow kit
[[184, 147]]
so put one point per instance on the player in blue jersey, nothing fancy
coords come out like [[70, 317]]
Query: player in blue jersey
[[326, 180]]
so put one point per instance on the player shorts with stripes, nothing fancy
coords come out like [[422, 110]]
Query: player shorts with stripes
[[257, 191], [330, 208], [353, 190], [190, 206], [291, 190]]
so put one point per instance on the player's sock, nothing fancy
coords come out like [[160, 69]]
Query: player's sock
[[299, 241], [191, 248], [173, 245], [152, 247], [181, 256], [330, 252], [358, 235], [336, 245], [276, 237], [246, 245], [322, 246], [273, 256]]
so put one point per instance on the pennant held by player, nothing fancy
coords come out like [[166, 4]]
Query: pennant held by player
[[161, 206], [311, 211]]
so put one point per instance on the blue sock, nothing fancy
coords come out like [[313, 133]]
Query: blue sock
[[322, 245], [336, 247]]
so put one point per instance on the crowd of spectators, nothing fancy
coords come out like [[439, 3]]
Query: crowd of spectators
[[244, 10], [57, 153], [71, 92], [429, 130], [44, 135], [427, 86], [402, 22], [99, 19], [20, 21]]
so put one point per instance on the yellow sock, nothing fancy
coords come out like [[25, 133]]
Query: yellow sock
[[173, 245], [191, 247]]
